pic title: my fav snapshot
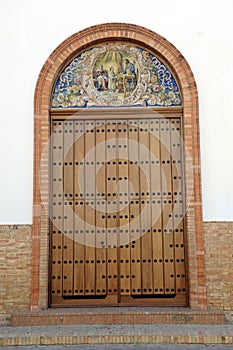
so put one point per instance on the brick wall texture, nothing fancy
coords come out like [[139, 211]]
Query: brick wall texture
[[219, 264], [15, 265], [15, 269]]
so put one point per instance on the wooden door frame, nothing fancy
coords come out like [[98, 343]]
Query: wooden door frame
[[183, 74], [97, 114]]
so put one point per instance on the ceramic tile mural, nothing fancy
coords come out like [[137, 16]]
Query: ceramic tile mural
[[115, 74]]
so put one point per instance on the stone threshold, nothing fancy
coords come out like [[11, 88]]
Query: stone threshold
[[117, 315]]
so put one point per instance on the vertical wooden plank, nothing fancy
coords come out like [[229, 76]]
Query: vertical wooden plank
[[112, 208], [68, 159], [178, 213], [124, 214], [100, 155], [157, 244], [156, 208], [155, 179], [135, 223], [168, 239], [68, 242], [166, 181], [79, 219], [146, 242], [144, 158], [89, 207], [57, 208]]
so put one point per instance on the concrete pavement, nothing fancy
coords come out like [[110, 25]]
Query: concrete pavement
[[122, 347], [87, 335]]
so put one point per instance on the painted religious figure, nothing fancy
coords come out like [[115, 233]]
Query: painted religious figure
[[116, 74], [112, 80], [101, 79], [130, 79]]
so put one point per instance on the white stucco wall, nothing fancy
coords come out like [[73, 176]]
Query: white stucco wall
[[29, 30]]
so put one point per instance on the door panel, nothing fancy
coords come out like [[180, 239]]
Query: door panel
[[134, 207], [57, 211], [111, 209], [117, 212], [100, 210], [79, 210]]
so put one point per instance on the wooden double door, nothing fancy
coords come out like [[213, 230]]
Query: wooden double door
[[117, 212]]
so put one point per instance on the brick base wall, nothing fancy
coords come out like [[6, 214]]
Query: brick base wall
[[15, 269], [15, 266], [219, 264]]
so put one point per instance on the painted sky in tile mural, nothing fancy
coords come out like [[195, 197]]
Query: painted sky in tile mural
[[115, 75]]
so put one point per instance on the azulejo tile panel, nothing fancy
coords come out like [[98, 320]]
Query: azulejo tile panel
[[115, 74]]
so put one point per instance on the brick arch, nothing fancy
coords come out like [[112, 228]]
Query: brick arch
[[177, 63]]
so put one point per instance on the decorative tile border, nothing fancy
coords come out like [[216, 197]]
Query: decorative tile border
[[115, 75]]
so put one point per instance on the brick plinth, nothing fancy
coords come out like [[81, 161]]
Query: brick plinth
[[15, 265], [219, 264], [15, 288]]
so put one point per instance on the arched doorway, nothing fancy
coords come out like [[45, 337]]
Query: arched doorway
[[119, 181]]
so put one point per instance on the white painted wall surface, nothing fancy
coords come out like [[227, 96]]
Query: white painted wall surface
[[30, 30]]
